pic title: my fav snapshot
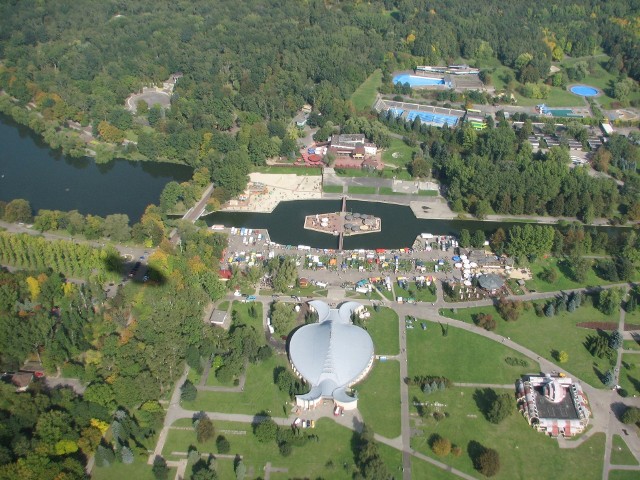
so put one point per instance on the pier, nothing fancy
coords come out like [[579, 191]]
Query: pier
[[341, 237]]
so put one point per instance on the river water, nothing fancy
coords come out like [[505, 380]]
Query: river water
[[31, 170]]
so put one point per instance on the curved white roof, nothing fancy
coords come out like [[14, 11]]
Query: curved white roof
[[333, 353]]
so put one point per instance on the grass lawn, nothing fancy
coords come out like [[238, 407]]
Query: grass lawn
[[384, 331], [398, 153], [138, 470], [558, 97], [240, 315], [389, 191], [630, 344], [422, 295], [544, 335], [224, 305], [379, 398], [260, 393], [428, 193], [422, 469], [332, 188], [563, 282], [620, 453], [623, 475], [330, 457], [308, 291], [195, 376], [520, 447], [630, 373], [362, 190], [306, 171], [365, 94], [461, 356]]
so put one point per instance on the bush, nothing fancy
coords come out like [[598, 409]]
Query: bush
[[488, 462], [204, 429], [510, 310], [222, 444], [266, 430], [485, 320], [516, 362], [456, 451], [631, 415], [188, 391], [502, 407], [285, 449], [441, 446]]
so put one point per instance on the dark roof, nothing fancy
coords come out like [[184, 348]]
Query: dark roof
[[490, 281]]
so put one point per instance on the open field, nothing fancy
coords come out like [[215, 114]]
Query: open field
[[260, 393], [138, 470], [330, 457], [545, 335], [240, 315], [461, 356], [383, 328], [421, 295], [563, 282], [365, 94], [620, 453], [519, 446], [379, 398], [398, 153], [630, 373]]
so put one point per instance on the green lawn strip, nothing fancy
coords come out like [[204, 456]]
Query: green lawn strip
[[520, 447], [422, 469], [332, 188], [461, 356], [379, 398], [360, 190], [306, 171], [544, 335], [240, 315], [389, 191], [428, 193], [630, 373], [563, 281], [194, 376], [365, 94], [398, 153], [388, 294], [620, 453], [630, 345], [422, 295], [138, 470], [558, 97], [224, 305], [384, 331], [308, 291], [623, 475], [260, 393], [323, 459]]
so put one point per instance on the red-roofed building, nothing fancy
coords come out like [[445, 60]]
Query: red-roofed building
[[224, 275]]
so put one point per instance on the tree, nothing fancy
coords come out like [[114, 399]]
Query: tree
[[631, 415], [563, 357], [503, 406], [615, 340], [160, 469], [608, 378], [609, 300], [204, 429], [549, 310], [222, 444], [266, 430], [18, 210], [488, 462], [549, 275], [485, 320], [127, 455], [240, 470], [284, 273], [509, 310], [441, 446], [117, 227], [283, 318], [465, 238], [478, 239], [104, 456], [188, 391]]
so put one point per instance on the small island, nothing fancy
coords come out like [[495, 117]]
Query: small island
[[343, 223]]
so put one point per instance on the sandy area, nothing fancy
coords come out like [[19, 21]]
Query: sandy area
[[277, 188]]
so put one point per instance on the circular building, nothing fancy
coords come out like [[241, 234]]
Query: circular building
[[331, 355], [490, 282]]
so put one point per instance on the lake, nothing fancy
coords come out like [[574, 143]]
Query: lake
[[30, 169]]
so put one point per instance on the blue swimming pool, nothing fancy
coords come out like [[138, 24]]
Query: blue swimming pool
[[396, 111], [584, 90], [416, 81], [435, 118]]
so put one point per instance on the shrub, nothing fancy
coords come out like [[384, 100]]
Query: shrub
[[222, 444], [188, 391], [204, 429], [510, 310], [441, 446], [631, 415], [456, 451], [488, 462], [503, 406], [563, 357], [485, 320]]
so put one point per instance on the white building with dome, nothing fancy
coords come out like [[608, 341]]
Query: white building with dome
[[331, 355]]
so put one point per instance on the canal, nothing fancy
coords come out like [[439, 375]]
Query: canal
[[31, 170]]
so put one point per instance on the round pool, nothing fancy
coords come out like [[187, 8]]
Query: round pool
[[584, 90]]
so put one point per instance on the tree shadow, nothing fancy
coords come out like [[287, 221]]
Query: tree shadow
[[433, 438], [133, 270], [634, 382], [484, 399], [474, 450], [419, 407]]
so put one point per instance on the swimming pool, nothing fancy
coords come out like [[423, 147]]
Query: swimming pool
[[416, 81], [584, 90], [560, 112], [397, 112], [426, 117]]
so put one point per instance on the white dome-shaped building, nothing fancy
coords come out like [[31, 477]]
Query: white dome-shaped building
[[331, 355]]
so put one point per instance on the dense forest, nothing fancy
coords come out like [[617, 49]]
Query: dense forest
[[248, 66]]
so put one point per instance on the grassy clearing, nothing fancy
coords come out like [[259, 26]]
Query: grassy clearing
[[520, 447], [630, 373], [240, 315], [365, 94], [620, 453], [138, 470], [360, 190], [398, 153], [260, 393], [461, 356], [305, 171], [332, 188], [384, 331], [379, 399], [330, 457], [545, 335], [564, 282], [421, 295]]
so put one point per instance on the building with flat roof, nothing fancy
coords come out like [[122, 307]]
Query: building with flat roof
[[555, 405], [331, 355]]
